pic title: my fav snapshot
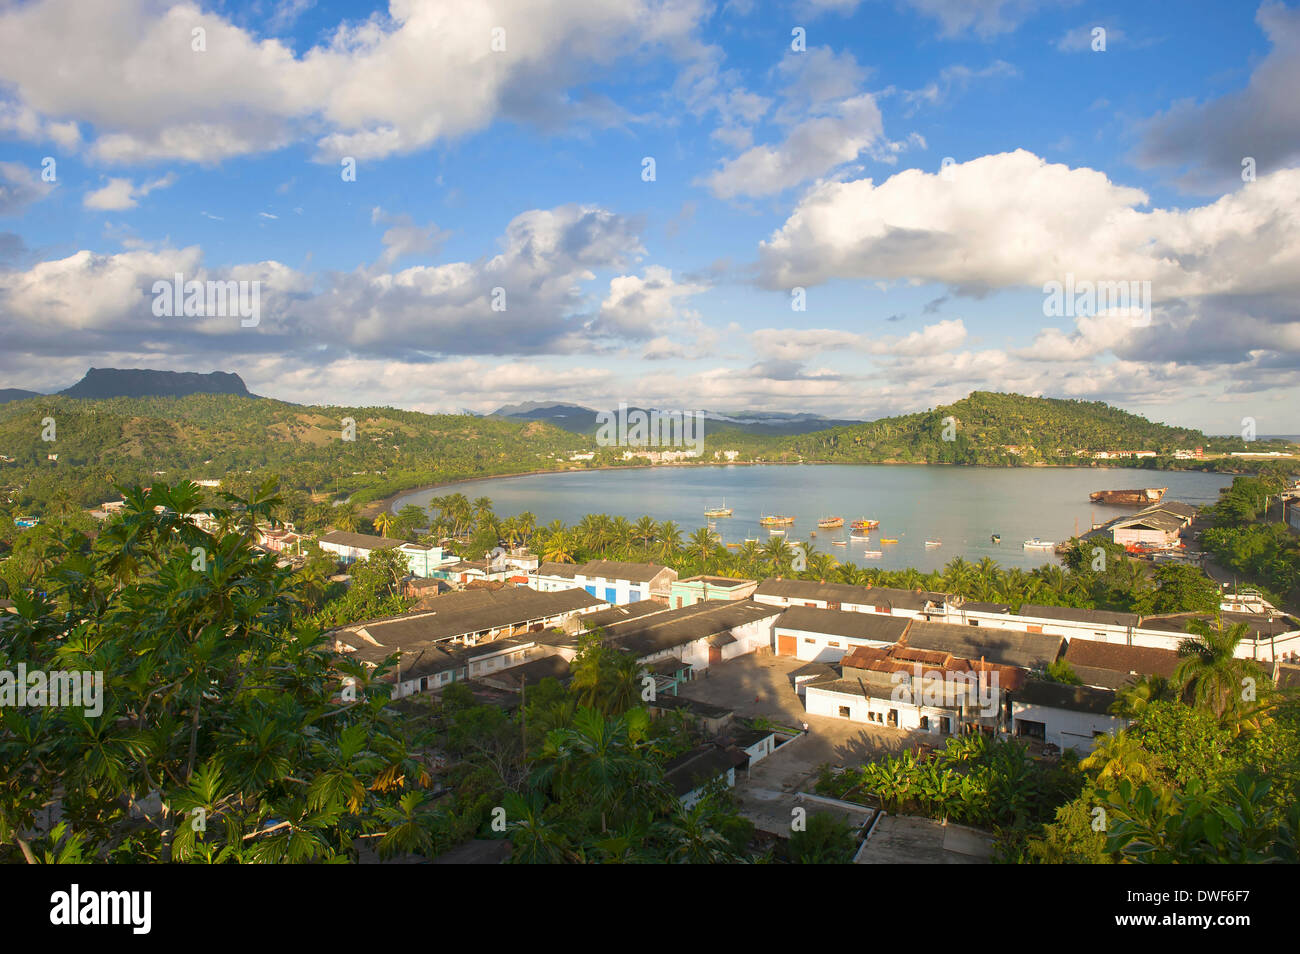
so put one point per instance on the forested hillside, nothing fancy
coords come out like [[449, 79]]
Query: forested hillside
[[991, 428]]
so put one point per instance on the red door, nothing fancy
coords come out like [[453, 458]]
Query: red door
[[785, 646]]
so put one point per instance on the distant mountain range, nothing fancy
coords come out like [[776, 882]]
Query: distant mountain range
[[583, 420], [101, 383]]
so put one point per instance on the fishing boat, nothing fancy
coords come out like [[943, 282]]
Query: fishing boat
[[723, 511], [776, 520], [872, 554], [888, 539], [1037, 544], [934, 543], [865, 524], [859, 534], [997, 538], [830, 523]]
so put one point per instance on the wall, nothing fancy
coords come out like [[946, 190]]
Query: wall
[[1065, 728]]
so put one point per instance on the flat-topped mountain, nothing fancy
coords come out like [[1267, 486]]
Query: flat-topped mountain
[[139, 382]]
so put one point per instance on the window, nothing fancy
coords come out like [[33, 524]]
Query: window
[[1034, 628], [974, 622], [679, 602], [833, 645], [844, 712], [810, 641], [925, 723], [893, 718]]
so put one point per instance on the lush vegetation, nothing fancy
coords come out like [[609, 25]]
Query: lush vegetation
[[1264, 554], [229, 733]]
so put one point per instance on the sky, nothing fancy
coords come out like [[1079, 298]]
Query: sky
[[848, 207]]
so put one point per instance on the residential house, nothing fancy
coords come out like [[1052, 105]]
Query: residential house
[[1069, 717], [825, 635], [696, 589], [613, 581], [422, 560]]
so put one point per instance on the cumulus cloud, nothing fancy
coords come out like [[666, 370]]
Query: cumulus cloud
[[984, 18], [119, 194], [391, 83], [1262, 121], [1014, 219], [801, 344]]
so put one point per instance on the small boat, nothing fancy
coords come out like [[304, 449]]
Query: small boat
[[997, 538], [859, 534], [888, 539], [830, 523], [776, 520], [934, 543], [723, 511], [1037, 544], [873, 554], [776, 533], [839, 543], [865, 524]]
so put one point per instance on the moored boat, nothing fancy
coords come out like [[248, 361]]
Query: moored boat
[[872, 554], [723, 511], [839, 543], [934, 543], [865, 524], [1037, 544], [830, 523], [776, 520], [888, 539], [997, 538]]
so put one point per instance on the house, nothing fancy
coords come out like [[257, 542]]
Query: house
[[1023, 650], [695, 589], [690, 775], [1269, 636], [1113, 666], [825, 635], [700, 635], [884, 601], [279, 540], [422, 560], [1153, 529], [1069, 621], [614, 581], [1069, 717], [918, 690]]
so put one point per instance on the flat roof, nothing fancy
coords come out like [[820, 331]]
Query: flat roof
[[1008, 647], [1075, 614], [810, 619]]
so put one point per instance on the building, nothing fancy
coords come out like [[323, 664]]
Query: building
[[1004, 647], [696, 589], [1068, 717], [826, 635], [613, 581], [698, 635], [422, 560], [1113, 666], [1160, 530], [914, 604], [690, 775]]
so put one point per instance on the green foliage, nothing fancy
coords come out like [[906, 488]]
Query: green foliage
[[826, 840], [1058, 670]]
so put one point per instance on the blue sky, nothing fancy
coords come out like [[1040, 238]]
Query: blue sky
[[521, 168]]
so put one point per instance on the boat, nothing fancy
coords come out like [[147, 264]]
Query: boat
[[830, 523], [872, 554], [933, 543], [776, 533], [996, 538], [1129, 498], [839, 543], [888, 539], [1037, 544], [865, 524], [859, 534], [723, 511], [776, 520]]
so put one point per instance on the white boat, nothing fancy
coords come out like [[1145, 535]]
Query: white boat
[[839, 543], [1037, 544], [873, 554], [933, 543]]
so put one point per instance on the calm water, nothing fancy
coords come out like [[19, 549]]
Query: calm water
[[959, 506]]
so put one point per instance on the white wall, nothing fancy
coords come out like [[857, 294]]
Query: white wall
[[1065, 728]]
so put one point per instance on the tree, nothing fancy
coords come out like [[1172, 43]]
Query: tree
[[826, 840], [1209, 672], [384, 522], [1180, 589]]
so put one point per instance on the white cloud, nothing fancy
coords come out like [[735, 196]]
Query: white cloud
[[1013, 219], [391, 83], [119, 194], [20, 187]]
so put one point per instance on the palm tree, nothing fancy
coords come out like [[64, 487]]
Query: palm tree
[[482, 509], [852, 574], [1132, 699], [1210, 673], [822, 566], [1120, 756], [346, 517], [777, 554], [645, 530], [384, 523], [670, 539], [702, 545], [560, 547]]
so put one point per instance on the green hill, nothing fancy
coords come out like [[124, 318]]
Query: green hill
[[992, 428]]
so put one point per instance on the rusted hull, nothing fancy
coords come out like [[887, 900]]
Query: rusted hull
[[1137, 498]]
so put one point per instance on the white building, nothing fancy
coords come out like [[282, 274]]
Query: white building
[[613, 581]]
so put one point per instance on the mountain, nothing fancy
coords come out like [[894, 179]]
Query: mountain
[[137, 382], [17, 394], [993, 428], [583, 420]]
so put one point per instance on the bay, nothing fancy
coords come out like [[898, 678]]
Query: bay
[[961, 507]]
